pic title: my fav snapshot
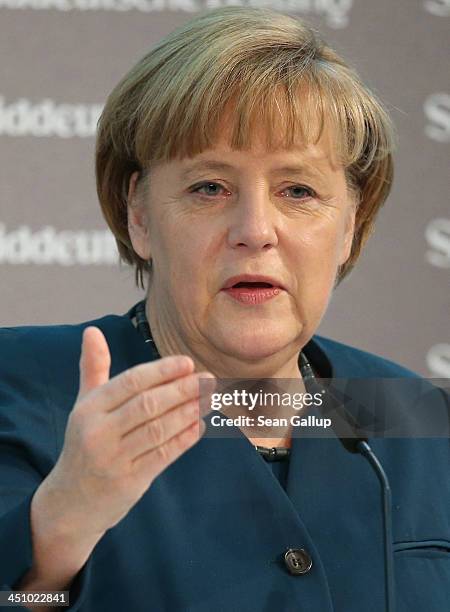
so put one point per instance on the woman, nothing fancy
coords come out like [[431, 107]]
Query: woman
[[240, 165]]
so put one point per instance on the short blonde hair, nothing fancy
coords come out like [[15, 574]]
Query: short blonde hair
[[170, 104]]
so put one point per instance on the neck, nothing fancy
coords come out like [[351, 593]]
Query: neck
[[272, 442]]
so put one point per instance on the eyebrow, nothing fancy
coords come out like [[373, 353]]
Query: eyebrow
[[217, 165], [205, 165]]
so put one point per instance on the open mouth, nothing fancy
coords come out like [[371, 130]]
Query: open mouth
[[253, 293], [252, 285]]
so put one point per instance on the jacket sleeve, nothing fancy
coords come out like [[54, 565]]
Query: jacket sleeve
[[28, 451]]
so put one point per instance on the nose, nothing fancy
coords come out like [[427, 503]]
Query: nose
[[253, 222]]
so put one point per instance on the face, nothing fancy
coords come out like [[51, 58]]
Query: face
[[286, 214]]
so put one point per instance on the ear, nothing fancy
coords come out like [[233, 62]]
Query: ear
[[138, 221], [348, 233]]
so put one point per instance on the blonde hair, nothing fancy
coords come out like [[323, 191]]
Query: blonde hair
[[170, 104]]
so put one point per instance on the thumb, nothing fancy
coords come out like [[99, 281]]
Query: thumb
[[95, 360]]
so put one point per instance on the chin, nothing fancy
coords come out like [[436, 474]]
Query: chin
[[254, 344]]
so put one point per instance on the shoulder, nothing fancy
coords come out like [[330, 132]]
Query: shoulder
[[39, 371], [393, 399], [52, 352], [47, 341], [48, 333], [347, 360]]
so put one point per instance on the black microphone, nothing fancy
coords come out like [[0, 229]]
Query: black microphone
[[360, 445], [356, 443]]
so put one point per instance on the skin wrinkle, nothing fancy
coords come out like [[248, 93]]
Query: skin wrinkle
[[210, 164], [198, 241]]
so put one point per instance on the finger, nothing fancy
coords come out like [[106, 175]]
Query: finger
[[157, 459], [157, 431], [133, 381], [95, 360], [154, 402]]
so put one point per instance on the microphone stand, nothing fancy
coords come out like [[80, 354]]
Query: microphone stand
[[357, 444], [360, 445]]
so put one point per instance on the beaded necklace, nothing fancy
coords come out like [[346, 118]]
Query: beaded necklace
[[308, 376]]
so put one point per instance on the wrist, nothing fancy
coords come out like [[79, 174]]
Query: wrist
[[59, 536]]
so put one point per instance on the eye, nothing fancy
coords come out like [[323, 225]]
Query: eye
[[208, 185], [302, 191]]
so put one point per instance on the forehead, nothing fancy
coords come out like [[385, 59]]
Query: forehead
[[313, 158], [222, 158], [268, 146]]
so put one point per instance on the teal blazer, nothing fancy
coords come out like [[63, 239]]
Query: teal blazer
[[211, 532]]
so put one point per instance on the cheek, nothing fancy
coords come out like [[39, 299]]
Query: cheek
[[317, 251], [184, 254], [316, 261]]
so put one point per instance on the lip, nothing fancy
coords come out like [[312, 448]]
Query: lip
[[252, 296], [255, 278]]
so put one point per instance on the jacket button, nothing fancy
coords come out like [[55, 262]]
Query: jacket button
[[297, 561]]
